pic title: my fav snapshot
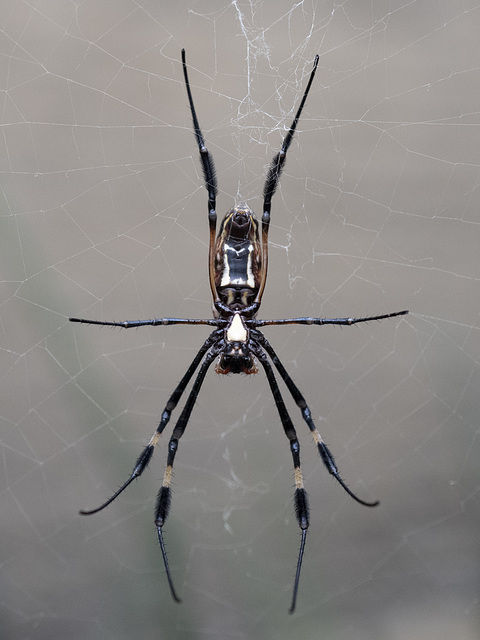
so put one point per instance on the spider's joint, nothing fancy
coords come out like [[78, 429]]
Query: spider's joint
[[154, 439], [298, 478], [167, 476]]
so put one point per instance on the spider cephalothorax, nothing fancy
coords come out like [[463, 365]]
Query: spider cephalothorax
[[236, 355], [238, 261]]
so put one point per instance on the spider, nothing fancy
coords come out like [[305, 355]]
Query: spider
[[238, 263]]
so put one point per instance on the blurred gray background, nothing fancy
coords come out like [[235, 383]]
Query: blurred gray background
[[104, 216]]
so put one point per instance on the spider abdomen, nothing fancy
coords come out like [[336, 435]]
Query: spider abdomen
[[238, 256]]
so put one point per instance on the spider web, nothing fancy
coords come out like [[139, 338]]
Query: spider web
[[104, 216]]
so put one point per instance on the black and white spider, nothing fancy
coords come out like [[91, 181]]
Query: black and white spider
[[237, 272]]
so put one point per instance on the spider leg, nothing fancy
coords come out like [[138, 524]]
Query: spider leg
[[155, 322], [272, 180], [276, 166], [321, 321], [210, 178], [300, 496], [325, 453], [164, 497], [172, 402]]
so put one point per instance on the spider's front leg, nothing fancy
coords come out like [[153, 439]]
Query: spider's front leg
[[324, 451], [300, 496], [164, 497], [143, 460]]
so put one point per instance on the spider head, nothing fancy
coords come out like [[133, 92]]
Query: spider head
[[236, 356]]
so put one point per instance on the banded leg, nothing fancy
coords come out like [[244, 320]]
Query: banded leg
[[164, 497], [325, 453], [300, 496], [147, 453]]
